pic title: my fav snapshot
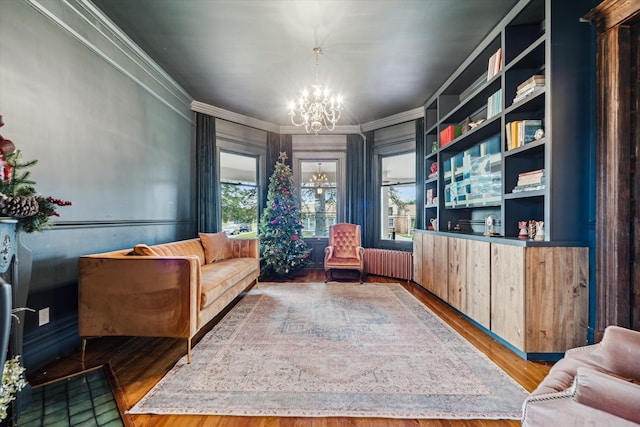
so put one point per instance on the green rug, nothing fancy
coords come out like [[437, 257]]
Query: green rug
[[335, 350]]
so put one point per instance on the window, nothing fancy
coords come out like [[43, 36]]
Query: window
[[398, 196], [318, 196], [239, 194]]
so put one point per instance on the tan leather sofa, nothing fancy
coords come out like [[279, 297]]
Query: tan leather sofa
[[167, 290], [597, 385]]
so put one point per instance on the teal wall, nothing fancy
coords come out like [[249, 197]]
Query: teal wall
[[111, 132]]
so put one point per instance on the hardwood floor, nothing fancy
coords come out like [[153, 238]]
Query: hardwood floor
[[137, 364]]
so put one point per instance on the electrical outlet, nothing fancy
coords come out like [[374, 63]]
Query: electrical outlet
[[43, 316]]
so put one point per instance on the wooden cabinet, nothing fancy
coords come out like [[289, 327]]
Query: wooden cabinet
[[434, 264], [532, 295], [417, 257], [469, 275], [539, 297]]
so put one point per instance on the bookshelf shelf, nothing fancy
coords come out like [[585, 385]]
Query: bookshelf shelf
[[534, 48]]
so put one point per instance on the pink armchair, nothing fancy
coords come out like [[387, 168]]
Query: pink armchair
[[344, 251], [592, 385]]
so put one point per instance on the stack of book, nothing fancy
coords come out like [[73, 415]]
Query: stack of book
[[449, 133], [495, 64], [528, 87], [494, 104], [520, 132], [530, 181]]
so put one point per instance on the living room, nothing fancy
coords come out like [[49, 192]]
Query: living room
[[115, 133]]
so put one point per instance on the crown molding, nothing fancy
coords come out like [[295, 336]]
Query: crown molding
[[101, 36], [395, 119], [338, 130], [201, 107], [220, 113]]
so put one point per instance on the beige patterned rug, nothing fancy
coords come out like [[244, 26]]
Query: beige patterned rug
[[336, 349]]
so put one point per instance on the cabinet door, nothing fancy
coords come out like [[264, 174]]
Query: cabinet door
[[434, 267], [470, 278], [507, 293], [556, 298], [477, 303], [417, 257], [457, 289], [439, 262]]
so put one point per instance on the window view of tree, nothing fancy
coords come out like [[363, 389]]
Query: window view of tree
[[398, 196], [318, 197], [239, 194]]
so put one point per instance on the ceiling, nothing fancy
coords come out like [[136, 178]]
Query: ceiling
[[254, 56]]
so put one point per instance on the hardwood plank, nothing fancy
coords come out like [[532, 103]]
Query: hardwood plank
[[138, 363]]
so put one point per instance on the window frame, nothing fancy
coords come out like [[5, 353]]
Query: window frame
[[256, 159], [380, 151], [323, 156]]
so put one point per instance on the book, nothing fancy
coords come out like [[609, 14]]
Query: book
[[495, 64], [449, 133], [534, 172], [537, 78], [494, 104], [523, 188], [521, 132], [526, 93]]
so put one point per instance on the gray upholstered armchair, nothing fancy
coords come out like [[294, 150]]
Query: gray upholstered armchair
[[593, 385], [344, 251]]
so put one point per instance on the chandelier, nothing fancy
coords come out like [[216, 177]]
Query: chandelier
[[318, 110], [318, 179]]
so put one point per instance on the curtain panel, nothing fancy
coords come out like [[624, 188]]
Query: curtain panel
[[208, 188], [369, 232], [355, 180]]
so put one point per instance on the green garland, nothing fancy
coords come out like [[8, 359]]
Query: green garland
[[17, 183]]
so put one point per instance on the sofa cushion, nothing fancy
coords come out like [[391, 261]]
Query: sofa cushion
[[181, 248], [142, 249], [216, 246], [222, 275]]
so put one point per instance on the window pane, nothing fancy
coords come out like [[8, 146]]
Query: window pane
[[398, 197], [239, 195], [319, 197], [399, 169], [238, 169]]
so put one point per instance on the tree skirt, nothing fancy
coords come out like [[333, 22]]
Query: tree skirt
[[335, 350]]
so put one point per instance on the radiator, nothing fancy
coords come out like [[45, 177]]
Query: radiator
[[389, 263]]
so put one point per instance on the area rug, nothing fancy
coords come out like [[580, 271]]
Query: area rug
[[335, 350]]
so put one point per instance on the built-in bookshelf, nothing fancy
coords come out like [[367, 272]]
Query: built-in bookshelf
[[504, 135]]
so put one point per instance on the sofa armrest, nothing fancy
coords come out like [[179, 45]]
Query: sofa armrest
[[245, 248], [608, 393], [138, 295]]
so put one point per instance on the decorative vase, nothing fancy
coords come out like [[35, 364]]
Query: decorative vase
[[523, 233], [539, 230]]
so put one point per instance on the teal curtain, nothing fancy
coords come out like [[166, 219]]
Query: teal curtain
[[355, 181], [275, 145], [420, 173], [369, 184], [208, 188]]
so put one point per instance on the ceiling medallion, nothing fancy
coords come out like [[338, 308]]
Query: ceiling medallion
[[318, 110]]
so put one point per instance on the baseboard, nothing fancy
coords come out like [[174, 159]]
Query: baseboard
[[50, 342]]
